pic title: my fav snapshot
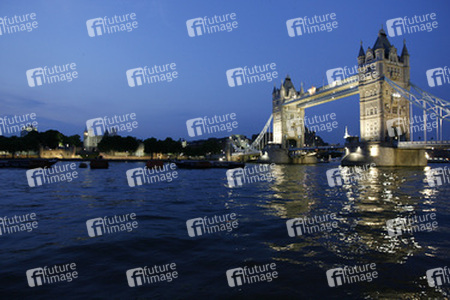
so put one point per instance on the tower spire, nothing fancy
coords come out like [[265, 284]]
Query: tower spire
[[361, 50], [346, 135], [405, 50]]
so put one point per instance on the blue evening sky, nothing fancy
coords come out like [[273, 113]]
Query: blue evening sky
[[201, 89]]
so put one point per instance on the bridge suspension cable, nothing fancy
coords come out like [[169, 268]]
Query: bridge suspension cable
[[241, 146], [263, 138], [425, 101]]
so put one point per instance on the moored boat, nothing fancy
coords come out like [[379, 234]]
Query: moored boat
[[99, 163], [227, 164], [28, 163], [438, 160], [154, 163], [193, 164], [204, 164]]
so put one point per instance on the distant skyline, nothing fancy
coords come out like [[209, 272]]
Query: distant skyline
[[112, 74]]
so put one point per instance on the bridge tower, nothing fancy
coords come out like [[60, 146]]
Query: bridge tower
[[288, 121], [384, 114]]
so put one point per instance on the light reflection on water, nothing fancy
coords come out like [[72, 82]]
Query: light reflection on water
[[362, 210], [263, 208]]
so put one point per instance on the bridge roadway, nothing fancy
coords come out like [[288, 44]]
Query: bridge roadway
[[327, 93], [402, 145], [424, 145], [427, 145], [331, 147]]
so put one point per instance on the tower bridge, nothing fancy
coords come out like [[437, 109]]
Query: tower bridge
[[386, 99]]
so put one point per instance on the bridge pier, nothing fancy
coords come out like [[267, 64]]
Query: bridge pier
[[304, 160], [383, 155]]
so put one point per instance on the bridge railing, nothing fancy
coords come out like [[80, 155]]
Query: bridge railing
[[424, 143], [321, 89]]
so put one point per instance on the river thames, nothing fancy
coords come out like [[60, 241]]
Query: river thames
[[260, 237]]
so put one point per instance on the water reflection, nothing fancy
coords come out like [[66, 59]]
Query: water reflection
[[362, 208], [293, 189]]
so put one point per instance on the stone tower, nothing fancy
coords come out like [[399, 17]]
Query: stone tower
[[288, 121], [384, 114]]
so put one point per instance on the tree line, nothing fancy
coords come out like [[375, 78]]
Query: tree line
[[154, 146], [53, 139], [50, 139]]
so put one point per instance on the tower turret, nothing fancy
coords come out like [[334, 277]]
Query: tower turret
[[405, 54], [382, 45], [361, 55]]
